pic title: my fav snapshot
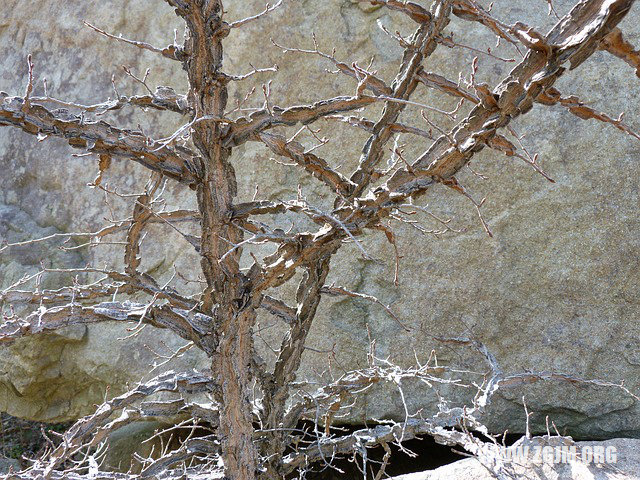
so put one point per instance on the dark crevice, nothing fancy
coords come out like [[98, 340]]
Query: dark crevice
[[416, 456]]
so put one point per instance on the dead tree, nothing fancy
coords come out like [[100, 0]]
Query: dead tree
[[258, 438]]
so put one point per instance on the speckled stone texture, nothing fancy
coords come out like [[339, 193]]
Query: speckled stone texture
[[555, 289], [623, 465]]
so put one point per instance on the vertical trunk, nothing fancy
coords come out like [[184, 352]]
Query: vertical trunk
[[277, 392], [231, 370], [227, 296]]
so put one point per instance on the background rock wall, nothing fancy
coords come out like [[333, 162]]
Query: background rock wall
[[555, 289]]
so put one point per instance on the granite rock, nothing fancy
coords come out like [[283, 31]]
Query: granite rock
[[555, 289], [620, 464]]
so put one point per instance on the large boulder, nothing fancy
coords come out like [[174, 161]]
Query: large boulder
[[616, 459], [555, 289]]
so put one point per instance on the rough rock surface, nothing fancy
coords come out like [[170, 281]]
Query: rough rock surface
[[625, 467], [555, 289], [7, 464]]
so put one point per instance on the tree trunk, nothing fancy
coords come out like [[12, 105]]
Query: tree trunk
[[231, 371], [277, 391], [227, 296]]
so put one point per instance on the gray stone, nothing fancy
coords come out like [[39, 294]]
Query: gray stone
[[9, 464], [538, 467], [135, 438], [555, 289]]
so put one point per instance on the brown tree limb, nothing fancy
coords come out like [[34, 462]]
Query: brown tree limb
[[615, 44], [141, 214], [316, 166], [279, 308], [177, 163], [172, 52], [276, 392], [164, 98], [423, 43], [261, 207], [575, 37], [551, 96], [193, 327], [245, 127], [438, 82], [93, 429]]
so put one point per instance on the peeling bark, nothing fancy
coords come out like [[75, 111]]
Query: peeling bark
[[221, 319]]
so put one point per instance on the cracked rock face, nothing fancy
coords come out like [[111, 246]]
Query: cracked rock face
[[555, 289]]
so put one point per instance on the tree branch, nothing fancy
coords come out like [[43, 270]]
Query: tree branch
[[93, 429], [172, 52], [244, 128], [575, 37], [316, 166], [268, 9], [178, 163], [422, 44], [551, 96], [279, 308], [572, 40], [164, 98], [615, 44], [190, 326]]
